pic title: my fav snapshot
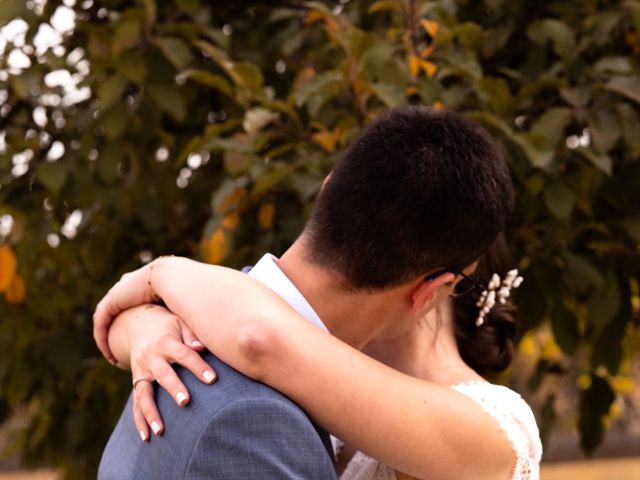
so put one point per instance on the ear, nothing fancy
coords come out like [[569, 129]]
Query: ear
[[427, 290], [324, 182]]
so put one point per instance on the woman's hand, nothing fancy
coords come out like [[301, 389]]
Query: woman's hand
[[133, 289], [158, 338]]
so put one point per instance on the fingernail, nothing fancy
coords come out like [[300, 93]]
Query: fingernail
[[197, 344], [143, 435], [181, 397], [155, 427], [209, 376]]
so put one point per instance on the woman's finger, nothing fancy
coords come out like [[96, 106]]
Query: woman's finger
[[192, 361], [140, 421], [168, 379], [189, 338], [145, 404], [101, 322]]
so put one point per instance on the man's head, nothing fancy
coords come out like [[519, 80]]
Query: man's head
[[418, 190]]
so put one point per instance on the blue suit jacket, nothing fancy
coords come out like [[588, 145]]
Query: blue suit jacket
[[234, 429]]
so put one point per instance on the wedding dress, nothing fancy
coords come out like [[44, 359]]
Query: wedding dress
[[512, 415]]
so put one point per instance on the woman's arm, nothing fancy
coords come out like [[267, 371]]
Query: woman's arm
[[412, 425]]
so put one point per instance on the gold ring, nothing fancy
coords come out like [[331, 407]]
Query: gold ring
[[141, 379]]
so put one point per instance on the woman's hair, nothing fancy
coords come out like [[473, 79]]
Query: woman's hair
[[487, 348]]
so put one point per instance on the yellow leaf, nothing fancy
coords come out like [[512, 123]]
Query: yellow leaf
[[623, 385], [430, 27], [231, 221], [411, 90], [429, 68], [361, 87], [17, 290], [414, 65], [437, 105], [8, 264], [584, 381], [327, 139], [215, 248], [232, 199], [314, 16], [266, 214], [383, 5], [528, 344], [427, 51]]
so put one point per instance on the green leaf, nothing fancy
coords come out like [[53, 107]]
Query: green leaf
[[559, 33], [110, 91], [127, 35], [391, 95], [605, 302], [632, 226], [559, 199], [551, 125], [315, 84], [627, 86], [495, 93], [53, 175], [601, 161], [565, 330], [604, 129], [108, 162], [581, 273], [576, 96], [132, 66], [175, 50], [250, 75], [317, 91], [169, 100], [116, 121], [270, 178], [615, 64], [630, 125], [595, 403], [534, 148], [217, 82]]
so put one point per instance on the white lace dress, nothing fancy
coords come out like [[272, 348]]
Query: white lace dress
[[512, 415]]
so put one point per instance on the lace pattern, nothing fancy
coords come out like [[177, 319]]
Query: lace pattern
[[515, 419], [513, 416]]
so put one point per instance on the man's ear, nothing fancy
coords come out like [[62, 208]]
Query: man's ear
[[426, 291], [324, 182]]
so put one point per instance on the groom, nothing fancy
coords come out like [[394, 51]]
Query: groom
[[418, 192]]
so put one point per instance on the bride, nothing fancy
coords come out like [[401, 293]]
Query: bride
[[439, 418]]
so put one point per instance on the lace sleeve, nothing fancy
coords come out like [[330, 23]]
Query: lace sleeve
[[515, 418]]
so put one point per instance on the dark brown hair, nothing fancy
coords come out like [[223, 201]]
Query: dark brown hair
[[419, 189], [487, 348]]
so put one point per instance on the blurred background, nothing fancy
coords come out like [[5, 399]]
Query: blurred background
[[132, 129]]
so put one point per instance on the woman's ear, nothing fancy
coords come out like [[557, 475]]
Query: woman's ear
[[426, 291]]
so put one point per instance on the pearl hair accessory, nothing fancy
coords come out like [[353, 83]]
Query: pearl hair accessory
[[497, 290]]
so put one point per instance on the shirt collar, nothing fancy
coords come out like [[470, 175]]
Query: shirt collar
[[267, 272]]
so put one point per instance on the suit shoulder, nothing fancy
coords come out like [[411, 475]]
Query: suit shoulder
[[263, 436]]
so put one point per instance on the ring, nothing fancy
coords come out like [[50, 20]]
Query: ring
[[141, 379]]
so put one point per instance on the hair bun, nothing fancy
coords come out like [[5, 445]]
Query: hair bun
[[488, 348]]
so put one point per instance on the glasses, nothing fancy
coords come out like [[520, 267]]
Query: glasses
[[464, 286]]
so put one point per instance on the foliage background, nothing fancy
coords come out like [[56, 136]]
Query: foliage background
[[205, 129]]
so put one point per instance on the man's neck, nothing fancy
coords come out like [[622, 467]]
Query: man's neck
[[354, 317]]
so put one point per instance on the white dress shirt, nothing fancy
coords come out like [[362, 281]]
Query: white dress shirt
[[267, 272]]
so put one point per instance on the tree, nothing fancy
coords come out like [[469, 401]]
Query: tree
[[205, 129]]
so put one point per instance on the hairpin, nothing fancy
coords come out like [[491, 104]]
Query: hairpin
[[497, 290]]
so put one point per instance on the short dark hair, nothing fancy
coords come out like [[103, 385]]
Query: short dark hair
[[418, 189]]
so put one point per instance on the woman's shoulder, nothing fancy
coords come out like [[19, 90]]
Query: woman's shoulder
[[513, 416]]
